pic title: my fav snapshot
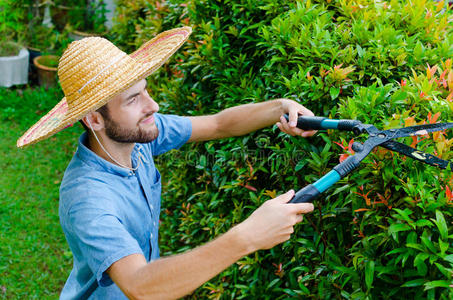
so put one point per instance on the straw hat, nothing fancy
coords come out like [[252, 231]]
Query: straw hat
[[93, 70]]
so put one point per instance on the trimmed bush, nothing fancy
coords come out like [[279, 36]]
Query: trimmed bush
[[384, 231]]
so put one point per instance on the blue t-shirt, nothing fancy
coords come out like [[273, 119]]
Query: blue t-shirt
[[108, 212]]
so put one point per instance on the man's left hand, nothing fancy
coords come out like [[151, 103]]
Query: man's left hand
[[294, 110]]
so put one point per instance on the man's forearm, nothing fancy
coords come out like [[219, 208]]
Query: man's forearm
[[242, 119], [175, 276]]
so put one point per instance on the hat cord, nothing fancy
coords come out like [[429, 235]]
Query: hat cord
[[111, 157], [100, 72]]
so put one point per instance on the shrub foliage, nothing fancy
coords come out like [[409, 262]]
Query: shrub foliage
[[386, 230]]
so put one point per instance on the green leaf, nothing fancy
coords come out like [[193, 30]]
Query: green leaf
[[360, 51], [441, 225], [334, 92], [418, 51], [273, 282], [423, 223], [303, 288], [300, 165], [397, 250], [415, 246], [404, 257], [412, 283], [449, 258], [438, 283], [428, 244], [405, 214], [422, 269], [399, 96], [397, 227], [369, 273], [443, 270], [421, 257], [443, 247]]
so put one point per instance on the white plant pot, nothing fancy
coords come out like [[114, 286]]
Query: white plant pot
[[110, 5], [14, 69]]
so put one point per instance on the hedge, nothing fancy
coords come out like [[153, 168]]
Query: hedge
[[383, 232]]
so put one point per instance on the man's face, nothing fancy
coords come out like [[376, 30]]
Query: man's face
[[130, 116]]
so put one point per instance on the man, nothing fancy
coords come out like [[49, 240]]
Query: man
[[110, 193]]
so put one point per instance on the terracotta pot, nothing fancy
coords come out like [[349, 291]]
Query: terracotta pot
[[47, 75]]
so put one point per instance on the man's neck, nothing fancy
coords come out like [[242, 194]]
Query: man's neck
[[121, 152]]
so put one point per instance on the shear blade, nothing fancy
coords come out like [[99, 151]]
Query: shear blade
[[419, 130], [416, 154]]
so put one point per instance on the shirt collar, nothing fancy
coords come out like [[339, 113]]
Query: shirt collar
[[92, 159]]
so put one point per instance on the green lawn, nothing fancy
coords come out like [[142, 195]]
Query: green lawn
[[34, 257]]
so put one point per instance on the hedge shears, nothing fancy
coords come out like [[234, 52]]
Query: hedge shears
[[383, 138]]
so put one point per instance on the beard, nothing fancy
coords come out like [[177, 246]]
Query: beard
[[124, 135]]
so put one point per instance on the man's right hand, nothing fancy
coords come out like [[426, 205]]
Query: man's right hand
[[273, 222], [174, 276]]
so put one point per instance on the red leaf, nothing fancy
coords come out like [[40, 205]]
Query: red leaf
[[350, 146], [344, 147], [448, 193], [433, 119], [450, 97], [343, 157], [249, 187]]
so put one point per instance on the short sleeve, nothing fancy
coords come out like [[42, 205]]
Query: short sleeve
[[174, 131], [101, 238]]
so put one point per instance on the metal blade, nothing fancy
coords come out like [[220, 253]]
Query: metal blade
[[416, 130], [416, 154]]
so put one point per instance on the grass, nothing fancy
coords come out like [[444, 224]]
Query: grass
[[35, 259]]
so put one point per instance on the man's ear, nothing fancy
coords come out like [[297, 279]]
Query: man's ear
[[94, 120]]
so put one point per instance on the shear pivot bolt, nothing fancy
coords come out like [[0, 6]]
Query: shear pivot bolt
[[357, 147]]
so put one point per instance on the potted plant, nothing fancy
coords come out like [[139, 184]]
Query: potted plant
[[60, 14], [41, 38], [13, 57], [47, 44], [47, 69], [87, 18]]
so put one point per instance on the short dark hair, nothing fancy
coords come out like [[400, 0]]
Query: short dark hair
[[103, 110]]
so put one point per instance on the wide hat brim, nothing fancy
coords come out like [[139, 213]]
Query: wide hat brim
[[147, 59]]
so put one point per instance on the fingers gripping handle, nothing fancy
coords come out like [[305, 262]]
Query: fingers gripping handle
[[307, 194], [308, 123], [311, 191], [317, 123]]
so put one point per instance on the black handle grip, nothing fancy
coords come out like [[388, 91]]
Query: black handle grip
[[307, 194], [308, 123], [347, 166], [317, 123], [348, 124]]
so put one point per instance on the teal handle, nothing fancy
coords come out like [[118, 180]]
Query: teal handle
[[312, 191], [330, 124], [327, 181]]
